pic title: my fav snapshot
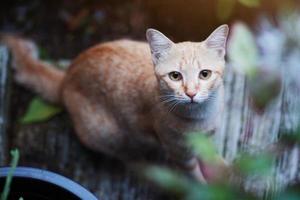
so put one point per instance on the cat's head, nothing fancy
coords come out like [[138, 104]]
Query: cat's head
[[189, 72]]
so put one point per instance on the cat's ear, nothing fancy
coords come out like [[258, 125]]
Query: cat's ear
[[160, 45], [217, 40]]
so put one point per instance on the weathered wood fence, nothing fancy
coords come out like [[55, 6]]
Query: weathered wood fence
[[244, 129]]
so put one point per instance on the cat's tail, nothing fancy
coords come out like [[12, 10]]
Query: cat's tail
[[39, 76]]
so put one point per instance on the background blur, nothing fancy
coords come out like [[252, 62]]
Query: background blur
[[64, 28]]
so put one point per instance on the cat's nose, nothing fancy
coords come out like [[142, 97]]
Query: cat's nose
[[191, 94]]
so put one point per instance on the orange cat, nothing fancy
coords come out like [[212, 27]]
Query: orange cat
[[119, 98]]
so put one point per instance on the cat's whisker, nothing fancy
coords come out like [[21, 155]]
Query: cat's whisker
[[172, 106], [167, 97], [170, 98], [175, 104], [168, 102]]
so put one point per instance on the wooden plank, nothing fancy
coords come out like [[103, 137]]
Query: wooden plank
[[4, 99], [244, 129]]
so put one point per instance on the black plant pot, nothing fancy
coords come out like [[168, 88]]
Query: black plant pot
[[37, 184]]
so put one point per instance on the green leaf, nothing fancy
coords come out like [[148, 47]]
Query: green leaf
[[188, 189], [203, 147], [39, 111], [15, 159], [290, 137], [224, 9], [292, 192], [255, 164], [250, 3], [168, 179], [215, 192], [242, 50], [264, 87], [43, 53]]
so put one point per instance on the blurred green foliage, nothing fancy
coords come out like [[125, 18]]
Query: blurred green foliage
[[242, 50], [188, 188], [260, 164], [291, 138], [264, 82], [203, 147], [245, 165], [291, 193], [250, 3], [168, 179], [226, 7]]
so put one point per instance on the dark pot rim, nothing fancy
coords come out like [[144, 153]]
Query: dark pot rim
[[50, 177]]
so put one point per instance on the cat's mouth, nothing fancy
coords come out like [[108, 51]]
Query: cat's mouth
[[189, 106], [192, 101], [195, 101]]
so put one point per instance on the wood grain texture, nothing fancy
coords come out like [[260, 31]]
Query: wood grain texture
[[245, 130]]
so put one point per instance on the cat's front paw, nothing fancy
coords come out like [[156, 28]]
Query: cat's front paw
[[197, 174], [213, 171], [208, 172]]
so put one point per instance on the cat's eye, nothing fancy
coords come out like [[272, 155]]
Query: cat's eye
[[175, 76], [205, 74]]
